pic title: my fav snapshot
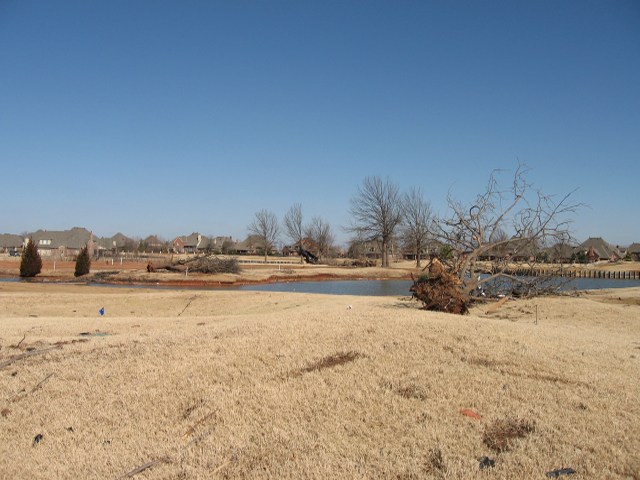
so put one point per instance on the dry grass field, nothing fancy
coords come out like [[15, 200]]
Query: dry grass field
[[219, 384]]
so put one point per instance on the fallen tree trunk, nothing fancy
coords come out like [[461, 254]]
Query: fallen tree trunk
[[198, 264]]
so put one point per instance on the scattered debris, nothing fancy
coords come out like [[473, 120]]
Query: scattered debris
[[486, 462], [101, 311], [500, 435], [410, 391], [21, 356], [144, 467], [192, 429], [561, 471], [97, 333], [223, 466], [496, 306], [188, 303], [41, 382], [467, 412], [330, 362], [19, 343], [37, 439], [435, 462]]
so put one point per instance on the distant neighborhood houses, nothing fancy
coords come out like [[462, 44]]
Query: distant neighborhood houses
[[66, 244], [594, 249]]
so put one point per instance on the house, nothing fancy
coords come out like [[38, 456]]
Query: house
[[152, 244], [252, 245], [220, 244], [597, 249], [117, 243], [429, 248], [515, 250], [371, 249], [64, 244], [10, 242], [560, 253], [307, 244], [189, 243], [634, 251]]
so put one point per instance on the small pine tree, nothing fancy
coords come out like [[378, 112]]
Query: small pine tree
[[83, 262], [30, 263]]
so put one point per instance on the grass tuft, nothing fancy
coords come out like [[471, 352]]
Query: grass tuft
[[500, 435], [434, 464]]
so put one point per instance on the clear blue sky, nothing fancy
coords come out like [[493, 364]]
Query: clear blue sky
[[168, 117]]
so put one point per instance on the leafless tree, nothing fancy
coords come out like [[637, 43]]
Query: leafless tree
[[293, 226], [376, 212], [265, 226], [416, 221], [319, 231], [505, 224]]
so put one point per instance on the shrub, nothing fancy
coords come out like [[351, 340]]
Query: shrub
[[83, 262], [31, 263]]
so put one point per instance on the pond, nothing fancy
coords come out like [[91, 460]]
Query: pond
[[401, 287], [366, 287]]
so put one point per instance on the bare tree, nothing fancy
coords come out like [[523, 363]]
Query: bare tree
[[503, 224], [416, 223], [293, 226], [319, 231], [265, 226], [377, 211]]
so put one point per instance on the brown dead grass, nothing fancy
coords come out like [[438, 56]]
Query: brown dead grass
[[185, 386]]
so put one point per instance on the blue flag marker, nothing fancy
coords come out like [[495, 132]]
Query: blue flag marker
[[102, 311]]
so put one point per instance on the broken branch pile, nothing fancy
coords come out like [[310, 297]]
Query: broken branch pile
[[198, 264]]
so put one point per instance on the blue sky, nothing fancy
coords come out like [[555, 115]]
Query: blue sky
[[159, 117]]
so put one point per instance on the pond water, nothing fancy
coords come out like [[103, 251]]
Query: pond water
[[367, 287], [401, 287]]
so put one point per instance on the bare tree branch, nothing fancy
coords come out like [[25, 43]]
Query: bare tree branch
[[293, 225], [376, 213], [265, 226]]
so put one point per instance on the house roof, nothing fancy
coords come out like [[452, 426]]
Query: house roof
[[560, 251], [603, 249], [9, 240], [634, 248], [77, 237], [108, 242], [153, 240], [195, 240]]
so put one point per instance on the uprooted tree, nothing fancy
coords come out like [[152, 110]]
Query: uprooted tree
[[198, 264], [503, 231]]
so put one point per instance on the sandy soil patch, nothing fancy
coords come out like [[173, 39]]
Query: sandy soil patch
[[202, 384]]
